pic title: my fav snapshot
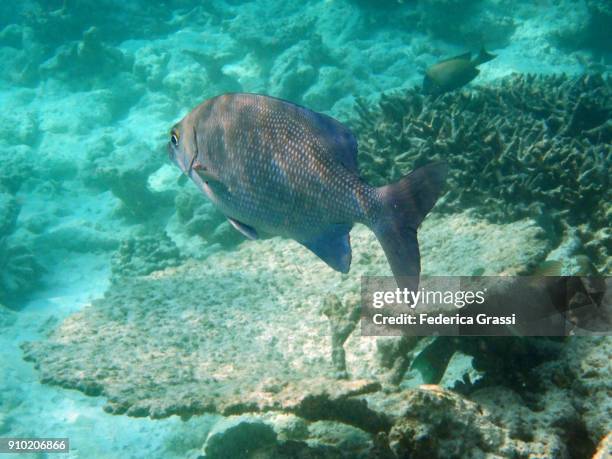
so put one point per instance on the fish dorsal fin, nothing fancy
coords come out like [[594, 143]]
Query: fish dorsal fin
[[465, 56], [333, 246], [246, 230], [336, 138]]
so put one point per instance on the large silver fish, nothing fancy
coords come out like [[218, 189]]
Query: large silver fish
[[275, 168]]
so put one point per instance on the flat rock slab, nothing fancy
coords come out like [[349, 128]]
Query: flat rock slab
[[244, 331]]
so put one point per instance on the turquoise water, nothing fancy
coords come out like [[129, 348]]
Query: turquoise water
[[146, 320]]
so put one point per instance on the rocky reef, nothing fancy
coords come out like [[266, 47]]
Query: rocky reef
[[527, 146], [88, 103], [223, 301], [142, 254], [190, 327], [467, 21], [196, 216], [254, 337], [600, 20]]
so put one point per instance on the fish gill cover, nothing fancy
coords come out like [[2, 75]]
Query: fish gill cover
[[185, 319]]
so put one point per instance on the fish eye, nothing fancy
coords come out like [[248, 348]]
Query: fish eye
[[174, 138]]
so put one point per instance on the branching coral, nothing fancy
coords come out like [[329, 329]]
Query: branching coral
[[535, 146]]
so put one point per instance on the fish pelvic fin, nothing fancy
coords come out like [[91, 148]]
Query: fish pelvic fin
[[483, 56], [247, 231], [404, 206]]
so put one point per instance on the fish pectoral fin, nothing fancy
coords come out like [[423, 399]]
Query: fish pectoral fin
[[212, 180], [333, 246], [246, 230], [207, 175]]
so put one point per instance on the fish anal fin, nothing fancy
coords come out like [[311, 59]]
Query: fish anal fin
[[333, 246], [248, 231]]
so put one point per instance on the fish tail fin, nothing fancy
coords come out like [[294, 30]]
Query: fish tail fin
[[483, 56], [404, 206]]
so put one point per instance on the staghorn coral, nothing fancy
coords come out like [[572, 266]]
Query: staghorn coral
[[535, 146], [20, 272]]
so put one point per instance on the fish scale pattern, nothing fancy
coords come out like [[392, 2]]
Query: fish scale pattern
[[280, 167]]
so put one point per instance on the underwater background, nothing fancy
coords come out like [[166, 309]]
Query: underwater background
[[137, 322]]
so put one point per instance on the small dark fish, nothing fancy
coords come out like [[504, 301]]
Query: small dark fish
[[276, 168], [454, 72]]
